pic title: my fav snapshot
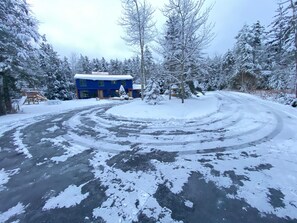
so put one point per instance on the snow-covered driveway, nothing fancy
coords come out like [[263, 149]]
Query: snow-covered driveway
[[236, 162]]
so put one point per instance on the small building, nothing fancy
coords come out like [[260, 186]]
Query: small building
[[136, 93], [102, 85]]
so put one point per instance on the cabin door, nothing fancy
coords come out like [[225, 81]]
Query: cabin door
[[100, 94]]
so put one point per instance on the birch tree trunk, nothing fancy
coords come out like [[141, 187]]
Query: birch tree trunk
[[139, 27]]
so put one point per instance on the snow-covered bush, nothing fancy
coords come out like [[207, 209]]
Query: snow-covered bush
[[277, 96], [123, 93], [152, 93]]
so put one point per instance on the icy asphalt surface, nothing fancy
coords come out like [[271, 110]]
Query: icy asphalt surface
[[238, 164]]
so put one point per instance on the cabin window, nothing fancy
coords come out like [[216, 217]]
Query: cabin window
[[83, 83], [101, 83], [84, 94], [123, 83], [113, 82]]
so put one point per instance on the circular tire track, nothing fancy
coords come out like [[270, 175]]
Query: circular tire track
[[217, 132]]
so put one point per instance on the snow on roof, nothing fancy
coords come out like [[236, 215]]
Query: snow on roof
[[136, 86], [100, 73], [103, 77]]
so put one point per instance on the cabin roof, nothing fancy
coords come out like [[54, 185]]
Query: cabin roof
[[136, 86], [103, 77]]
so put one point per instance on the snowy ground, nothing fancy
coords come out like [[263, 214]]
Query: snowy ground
[[223, 157]]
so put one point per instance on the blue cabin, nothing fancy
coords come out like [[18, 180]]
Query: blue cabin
[[102, 85]]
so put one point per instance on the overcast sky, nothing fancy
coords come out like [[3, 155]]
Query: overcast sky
[[90, 27]]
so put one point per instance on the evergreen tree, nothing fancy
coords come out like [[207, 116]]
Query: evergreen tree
[[228, 67], [96, 65], [104, 65], [170, 52], [18, 31], [257, 44], [123, 93], [280, 56], [290, 34], [152, 92], [215, 78], [244, 78], [73, 60], [83, 65], [57, 86], [115, 67], [135, 65], [148, 64], [127, 67], [69, 79]]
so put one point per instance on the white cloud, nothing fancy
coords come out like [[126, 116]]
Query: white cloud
[[91, 27]]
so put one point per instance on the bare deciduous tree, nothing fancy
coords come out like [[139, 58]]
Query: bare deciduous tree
[[194, 34], [137, 20]]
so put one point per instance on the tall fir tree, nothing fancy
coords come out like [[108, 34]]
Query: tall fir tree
[[244, 77], [18, 32], [148, 64], [104, 65], [281, 48], [57, 86]]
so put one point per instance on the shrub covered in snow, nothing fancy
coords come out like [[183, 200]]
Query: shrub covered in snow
[[123, 93], [152, 93], [277, 96]]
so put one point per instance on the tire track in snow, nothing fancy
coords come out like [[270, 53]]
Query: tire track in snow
[[215, 133]]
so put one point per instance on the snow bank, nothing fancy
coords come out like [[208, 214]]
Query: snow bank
[[168, 109], [43, 108]]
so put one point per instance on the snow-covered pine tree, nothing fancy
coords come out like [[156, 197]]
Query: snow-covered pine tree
[[171, 55], [83, 65], [86, 65], [280, 48], [69, 79], [148, 64], [96, 66], [152, 92], [73, 60], [127, 67], [104, 65], [135, 65], [290, 9], [259, 54], [215, 79], [122, 92], [228, 67], [57, 86], [18, 31], [115, 67], [244, 77], [257, 43]]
